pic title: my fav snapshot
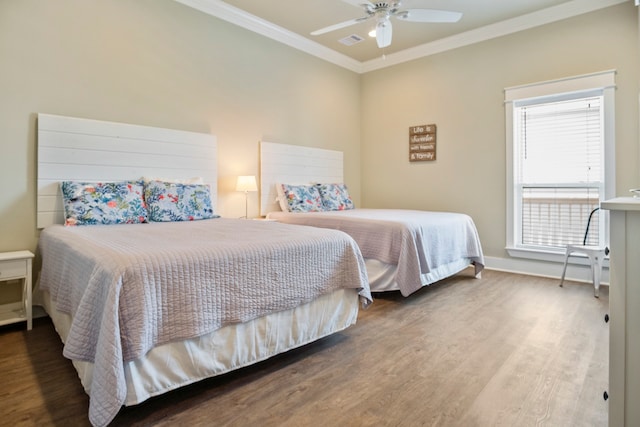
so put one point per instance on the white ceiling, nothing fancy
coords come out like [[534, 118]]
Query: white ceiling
[[292, 21]]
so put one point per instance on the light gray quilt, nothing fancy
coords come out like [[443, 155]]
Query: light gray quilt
[[132, 287], [418, 242]]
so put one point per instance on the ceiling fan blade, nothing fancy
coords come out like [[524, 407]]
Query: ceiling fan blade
[[428, 15], [383, 33], [339, 25]]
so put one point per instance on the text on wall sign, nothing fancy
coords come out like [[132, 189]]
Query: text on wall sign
[[422, 143]]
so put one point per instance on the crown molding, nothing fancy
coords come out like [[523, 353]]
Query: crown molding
[[236, 16], [499, 29], [226, 12]]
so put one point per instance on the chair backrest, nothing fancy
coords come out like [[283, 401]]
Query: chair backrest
[[586, 233]]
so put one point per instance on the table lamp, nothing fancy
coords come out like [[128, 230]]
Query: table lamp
[[246, 183]]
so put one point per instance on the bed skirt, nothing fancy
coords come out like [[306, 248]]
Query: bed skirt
[[176, 364], [382, 276]]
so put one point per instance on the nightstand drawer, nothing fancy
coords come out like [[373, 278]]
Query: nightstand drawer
[[10, 269]]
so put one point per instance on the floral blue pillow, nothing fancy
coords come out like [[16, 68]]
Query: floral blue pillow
[[168, 201], [302, 198], [335, 197], [91, 203]]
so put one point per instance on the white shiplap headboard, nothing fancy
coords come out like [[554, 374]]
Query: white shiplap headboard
[[294, 164], [73, 149]]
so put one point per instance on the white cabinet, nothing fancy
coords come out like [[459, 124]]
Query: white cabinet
[[16, 266], [624, 312]]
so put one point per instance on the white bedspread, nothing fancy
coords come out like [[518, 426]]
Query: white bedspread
[[418, 242], [132, 287]]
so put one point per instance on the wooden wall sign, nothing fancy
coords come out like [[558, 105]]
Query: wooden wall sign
[[422, 143]]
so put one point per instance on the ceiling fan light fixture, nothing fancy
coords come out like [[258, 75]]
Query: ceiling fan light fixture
[[383, 33]]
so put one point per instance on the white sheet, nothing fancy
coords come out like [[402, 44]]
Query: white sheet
[[382, 276]]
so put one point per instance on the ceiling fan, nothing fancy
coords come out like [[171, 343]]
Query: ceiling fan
[[382, 12]]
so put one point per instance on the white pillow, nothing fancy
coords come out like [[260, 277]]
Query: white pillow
[[281, 199]]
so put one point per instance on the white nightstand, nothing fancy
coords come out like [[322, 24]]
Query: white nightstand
[[16, 266]]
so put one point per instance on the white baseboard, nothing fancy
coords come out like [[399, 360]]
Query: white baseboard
[[575, 272]]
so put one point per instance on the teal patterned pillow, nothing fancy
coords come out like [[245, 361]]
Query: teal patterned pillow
[[167, 201], [302, 198], [92, 203], [335, 197]]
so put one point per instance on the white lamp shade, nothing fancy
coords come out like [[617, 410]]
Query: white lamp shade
[[246, 183]]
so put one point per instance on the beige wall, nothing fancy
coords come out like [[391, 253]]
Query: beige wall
[[462, 92], [159, 63]]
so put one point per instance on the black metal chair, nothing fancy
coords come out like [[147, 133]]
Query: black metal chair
[[596, 255]]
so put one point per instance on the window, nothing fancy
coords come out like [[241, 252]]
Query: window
[[560, 162]]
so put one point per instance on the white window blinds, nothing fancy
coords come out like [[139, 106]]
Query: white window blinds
[[561, 141], [559, 168]]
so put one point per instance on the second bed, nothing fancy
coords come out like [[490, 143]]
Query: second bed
[[403, 249]]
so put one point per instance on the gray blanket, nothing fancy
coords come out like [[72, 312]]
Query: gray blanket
[[132, 287], [418, 242]]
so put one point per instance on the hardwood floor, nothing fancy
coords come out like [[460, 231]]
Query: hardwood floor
[[504, 350]]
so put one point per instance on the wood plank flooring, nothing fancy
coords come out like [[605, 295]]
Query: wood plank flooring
[[504, 350]]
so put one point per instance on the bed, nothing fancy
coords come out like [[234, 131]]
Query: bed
[[404, 250], [144, 308]]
